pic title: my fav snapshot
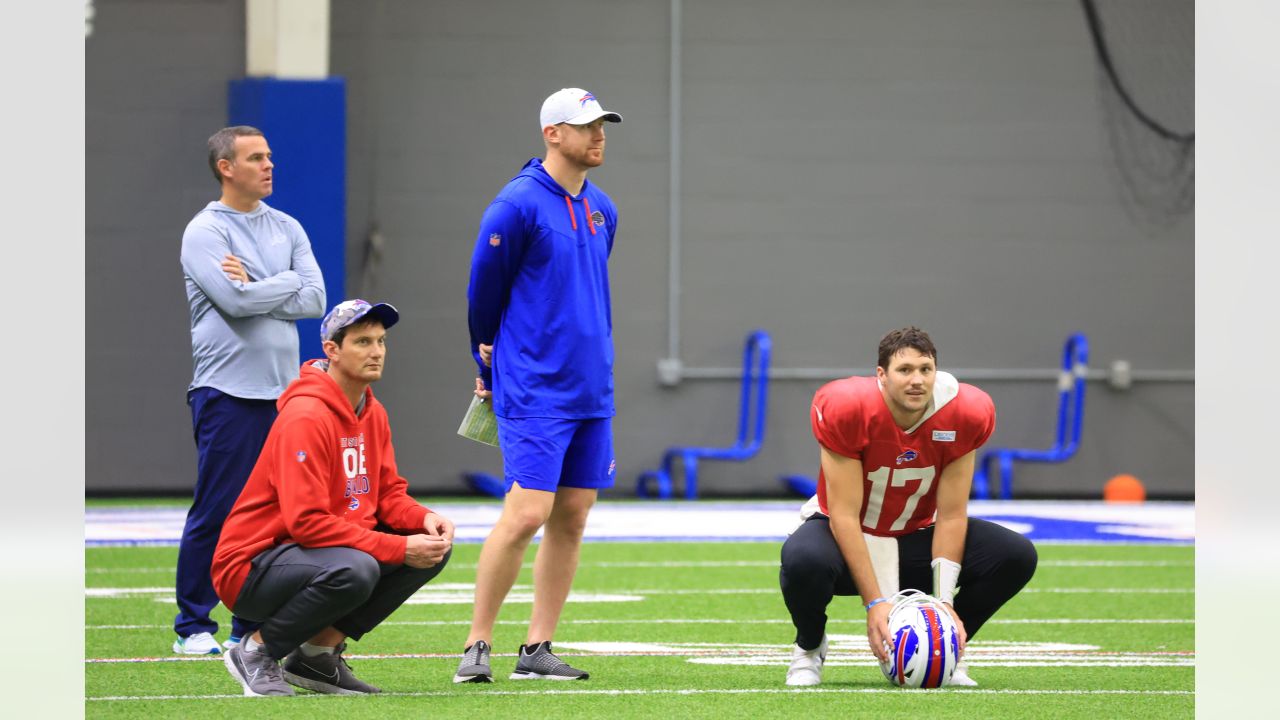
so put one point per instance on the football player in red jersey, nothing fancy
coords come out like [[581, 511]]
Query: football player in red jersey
[[891, 511]]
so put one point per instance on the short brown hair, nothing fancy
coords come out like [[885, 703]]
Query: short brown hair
[[899, 340], [222, 145]]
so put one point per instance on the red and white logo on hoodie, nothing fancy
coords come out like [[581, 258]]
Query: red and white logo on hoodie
[[354, 465]]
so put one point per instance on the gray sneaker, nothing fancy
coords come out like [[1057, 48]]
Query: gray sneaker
[[474, 666], [537, 662], [327, 673], [257, 672]]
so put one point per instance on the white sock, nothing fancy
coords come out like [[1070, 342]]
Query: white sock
[[250, 645], [313, 650]]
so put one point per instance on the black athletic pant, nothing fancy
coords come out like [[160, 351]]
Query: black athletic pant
[[296, 592], [997, 563]]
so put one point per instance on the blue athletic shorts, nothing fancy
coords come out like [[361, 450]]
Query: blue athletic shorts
[[548, 453]]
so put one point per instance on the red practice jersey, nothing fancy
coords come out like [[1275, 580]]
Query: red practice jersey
[[901, 468]]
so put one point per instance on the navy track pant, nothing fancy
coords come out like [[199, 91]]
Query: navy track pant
[[229, 434]]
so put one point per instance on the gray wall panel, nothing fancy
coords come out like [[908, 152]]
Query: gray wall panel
[[155, 89], [849, 167]]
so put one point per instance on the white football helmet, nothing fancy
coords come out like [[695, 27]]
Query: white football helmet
[[926, 647]]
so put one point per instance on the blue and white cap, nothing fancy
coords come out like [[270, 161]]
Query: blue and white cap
[[574, 106], [349, 311]]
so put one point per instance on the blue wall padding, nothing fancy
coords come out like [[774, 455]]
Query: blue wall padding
[[305, 125]]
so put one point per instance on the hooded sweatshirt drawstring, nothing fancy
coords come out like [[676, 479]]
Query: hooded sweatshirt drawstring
[[586, 207], [573, 217]]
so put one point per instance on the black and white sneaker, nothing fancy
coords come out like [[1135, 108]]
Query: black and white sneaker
[[474, 666], [326, 673], [537, 662], [257, 672]]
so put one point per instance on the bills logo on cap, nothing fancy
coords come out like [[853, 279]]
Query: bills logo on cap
[[495, 240], [908, 456], [586, 99]]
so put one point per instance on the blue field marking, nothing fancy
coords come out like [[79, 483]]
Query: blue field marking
[[1068, 530], [725, 521]]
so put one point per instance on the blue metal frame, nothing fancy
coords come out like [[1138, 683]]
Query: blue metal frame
[[755, 366], [1071, 385]]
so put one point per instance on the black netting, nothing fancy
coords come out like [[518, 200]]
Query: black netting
[[1146, 65]]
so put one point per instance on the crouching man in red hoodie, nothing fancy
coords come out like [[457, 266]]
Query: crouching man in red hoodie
[[324, 542]]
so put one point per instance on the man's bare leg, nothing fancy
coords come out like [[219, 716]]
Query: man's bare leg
[[523, 512], [557, 560]]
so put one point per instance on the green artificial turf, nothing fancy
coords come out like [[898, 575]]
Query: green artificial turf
[[1080, 642]]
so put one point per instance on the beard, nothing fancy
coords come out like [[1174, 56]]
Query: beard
[[586, 157]]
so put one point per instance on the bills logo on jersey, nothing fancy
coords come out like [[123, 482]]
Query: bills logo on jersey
[[495, 240], [944, 435], [354, 504], [907, 456]]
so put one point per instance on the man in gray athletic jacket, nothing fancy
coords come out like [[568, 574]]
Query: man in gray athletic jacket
[[250, 276]]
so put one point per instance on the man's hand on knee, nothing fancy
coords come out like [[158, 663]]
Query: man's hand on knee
[[424, 551]]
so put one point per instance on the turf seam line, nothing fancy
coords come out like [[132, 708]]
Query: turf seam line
[[686, 691]]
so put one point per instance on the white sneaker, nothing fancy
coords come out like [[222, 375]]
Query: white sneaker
[[961, 676], [231, 642], [197, 644], [806, 665]]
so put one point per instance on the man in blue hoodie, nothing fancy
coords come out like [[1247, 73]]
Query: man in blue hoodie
[[250, 276], [542, 337]]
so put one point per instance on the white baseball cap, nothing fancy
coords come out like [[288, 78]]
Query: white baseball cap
[[574, 106]]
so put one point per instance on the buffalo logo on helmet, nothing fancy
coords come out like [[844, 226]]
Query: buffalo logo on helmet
[[925, 645]]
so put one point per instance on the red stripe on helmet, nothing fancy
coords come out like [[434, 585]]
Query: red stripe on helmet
[[937, 656]]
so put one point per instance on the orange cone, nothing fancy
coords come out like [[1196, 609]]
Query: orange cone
[[1124, 489]]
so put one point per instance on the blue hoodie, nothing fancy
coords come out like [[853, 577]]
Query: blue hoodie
[[539, 293]]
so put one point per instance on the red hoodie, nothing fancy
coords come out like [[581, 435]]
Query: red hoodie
[[325, 478]]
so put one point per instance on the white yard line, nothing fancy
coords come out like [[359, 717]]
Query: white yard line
[[452, 591], [685, 691], [723, 564], [728, 621], [846, 649]]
